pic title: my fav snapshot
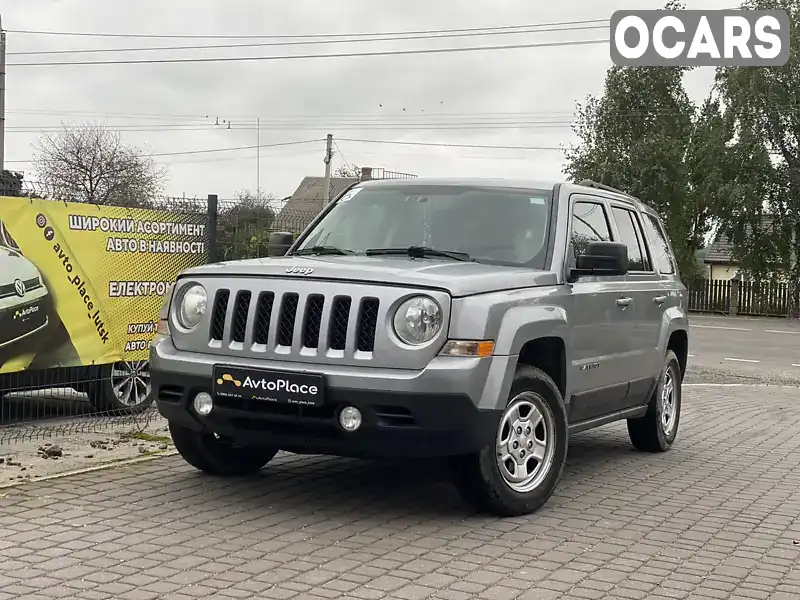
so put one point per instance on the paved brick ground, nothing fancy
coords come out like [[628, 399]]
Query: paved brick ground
[[717, 517]]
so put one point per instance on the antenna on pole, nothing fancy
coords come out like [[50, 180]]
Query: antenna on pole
[[328, 157], [2, 96]]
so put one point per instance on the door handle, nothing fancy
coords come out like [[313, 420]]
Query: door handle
[[624, 302], [660, 300]]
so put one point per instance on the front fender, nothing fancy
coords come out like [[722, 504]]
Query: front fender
[[521, 324]]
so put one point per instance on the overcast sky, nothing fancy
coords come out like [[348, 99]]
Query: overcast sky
[[476, 98]]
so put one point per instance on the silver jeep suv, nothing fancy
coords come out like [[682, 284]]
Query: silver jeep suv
[[480, 321]]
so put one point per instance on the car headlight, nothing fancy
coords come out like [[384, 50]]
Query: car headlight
[[192, 306], [418, 320]]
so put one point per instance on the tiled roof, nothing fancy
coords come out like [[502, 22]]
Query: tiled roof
[[721, 251], [307, 202]]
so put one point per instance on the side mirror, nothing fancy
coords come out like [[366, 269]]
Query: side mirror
[[601, 259], [279, 243]]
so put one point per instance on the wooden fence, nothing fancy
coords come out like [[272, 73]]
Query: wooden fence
[[752, 298]]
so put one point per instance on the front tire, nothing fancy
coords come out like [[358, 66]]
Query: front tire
[[519, 472], [656, 430], [218, 456]]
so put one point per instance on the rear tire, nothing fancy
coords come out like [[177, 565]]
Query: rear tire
[[656, 430], [533, 429], [218, 456]]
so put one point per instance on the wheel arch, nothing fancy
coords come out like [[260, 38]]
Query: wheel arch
[[535, 336], [678, 342]]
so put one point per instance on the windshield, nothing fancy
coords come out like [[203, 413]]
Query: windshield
[[491, 225]]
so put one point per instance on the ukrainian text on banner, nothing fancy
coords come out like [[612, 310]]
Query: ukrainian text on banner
[[82, 284]]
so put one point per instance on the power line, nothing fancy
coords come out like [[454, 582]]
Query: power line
[[210, 150], [444, 145], [253, 147], [341, 153], [362, 141], [321, 127], [303, 43], [121, 115], [327, 117], [295, 36], [312, 56]]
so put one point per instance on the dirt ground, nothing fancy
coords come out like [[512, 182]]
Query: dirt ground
[[25, 460]]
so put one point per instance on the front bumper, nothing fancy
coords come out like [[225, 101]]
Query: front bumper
[[23, 320], [451, 407]]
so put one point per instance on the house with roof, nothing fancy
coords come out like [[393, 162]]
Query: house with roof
[[308, 199], [720, 261]]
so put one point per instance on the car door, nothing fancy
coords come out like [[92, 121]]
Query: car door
[[602, 319], [648, 294], [666, 267]]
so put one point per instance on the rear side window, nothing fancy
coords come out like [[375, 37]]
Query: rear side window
[[589, 224], [630, 232], [661, 254]]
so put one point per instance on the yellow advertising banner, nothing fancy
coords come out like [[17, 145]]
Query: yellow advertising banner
[[82, 284]]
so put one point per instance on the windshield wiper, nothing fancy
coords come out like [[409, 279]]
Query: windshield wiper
[[420, 252], [319, 250]]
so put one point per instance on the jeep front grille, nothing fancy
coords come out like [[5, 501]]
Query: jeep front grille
[[274, 321]]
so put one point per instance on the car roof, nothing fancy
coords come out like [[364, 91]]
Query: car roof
[[500, 182], [467, 181]]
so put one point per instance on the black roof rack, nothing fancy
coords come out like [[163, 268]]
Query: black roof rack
[[608, 188], [603, 186]]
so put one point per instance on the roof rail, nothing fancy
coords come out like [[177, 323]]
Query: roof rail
[[608, 188], [603, 186]]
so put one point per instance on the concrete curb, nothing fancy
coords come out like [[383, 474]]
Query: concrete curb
[[104, 466], [761, 385]]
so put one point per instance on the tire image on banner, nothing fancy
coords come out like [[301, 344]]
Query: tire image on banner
[[81, 284]]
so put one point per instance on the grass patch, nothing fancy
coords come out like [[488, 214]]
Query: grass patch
[[148, 437]]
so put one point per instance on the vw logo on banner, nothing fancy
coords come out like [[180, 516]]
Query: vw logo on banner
[[19, 287]]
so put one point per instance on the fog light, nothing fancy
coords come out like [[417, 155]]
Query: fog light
[[203, 403], [350, 418]]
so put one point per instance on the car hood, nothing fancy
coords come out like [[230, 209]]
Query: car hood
[[457, 278], [16, 267]]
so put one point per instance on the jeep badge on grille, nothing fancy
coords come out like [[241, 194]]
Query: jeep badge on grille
[[300, 270]]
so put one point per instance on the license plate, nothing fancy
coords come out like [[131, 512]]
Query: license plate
[[266, 385]]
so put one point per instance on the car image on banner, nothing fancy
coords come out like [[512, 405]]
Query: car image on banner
[[80, 291], [23, 298]]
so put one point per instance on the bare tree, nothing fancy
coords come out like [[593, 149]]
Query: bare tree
[[348, 171], [90, 163]]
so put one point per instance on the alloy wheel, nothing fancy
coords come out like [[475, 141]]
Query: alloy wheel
[[130, 381], [525, 442], [669, 410]]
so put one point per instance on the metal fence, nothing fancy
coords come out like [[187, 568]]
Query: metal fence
[[734, 297], [50, 396]]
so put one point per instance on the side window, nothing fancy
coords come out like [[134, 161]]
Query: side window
[[630, 233], [589, 224], [661, 253]]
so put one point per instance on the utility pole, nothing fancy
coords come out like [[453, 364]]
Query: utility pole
[[2, 97], [258, 156], [328, 157]]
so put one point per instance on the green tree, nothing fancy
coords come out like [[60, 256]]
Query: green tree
[[645, 136], [763, 110], [244, 225], [10, 183]]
